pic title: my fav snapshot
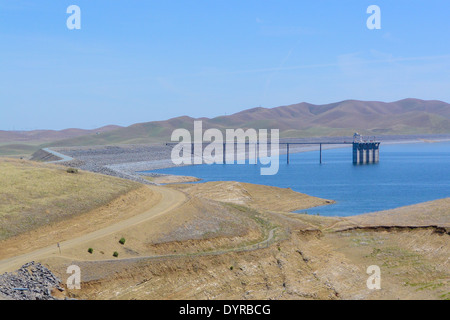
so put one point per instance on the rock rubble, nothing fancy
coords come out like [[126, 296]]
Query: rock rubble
[[32, 281]]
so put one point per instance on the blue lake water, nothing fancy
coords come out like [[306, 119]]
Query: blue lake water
[[407, 174]]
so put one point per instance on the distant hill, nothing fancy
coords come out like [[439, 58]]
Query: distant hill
[[18, 143], [408, 116], [49, 135]]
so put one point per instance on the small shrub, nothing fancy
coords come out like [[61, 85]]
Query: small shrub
[[72, 170], [115, 254], [231, 268], [122, 241], [90, 250]]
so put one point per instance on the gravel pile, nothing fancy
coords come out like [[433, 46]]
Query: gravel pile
[[32, 281], [110, 155]]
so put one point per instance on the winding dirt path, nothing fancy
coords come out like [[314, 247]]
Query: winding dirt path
[[170, 199], [252, 247]]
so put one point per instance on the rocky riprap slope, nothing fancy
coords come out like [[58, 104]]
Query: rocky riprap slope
[[32, 281], [119, 161]]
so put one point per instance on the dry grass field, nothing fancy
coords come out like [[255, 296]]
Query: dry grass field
[[255, 196], [170, 179], [34, 194], [187, 254]]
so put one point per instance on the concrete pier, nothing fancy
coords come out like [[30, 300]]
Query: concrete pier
[[366, 152]]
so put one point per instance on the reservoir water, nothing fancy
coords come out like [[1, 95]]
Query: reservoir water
[[407, 174]]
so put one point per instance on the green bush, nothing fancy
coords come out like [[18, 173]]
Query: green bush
[[90, 250], [115, 254], [72, 170], [122, 241]]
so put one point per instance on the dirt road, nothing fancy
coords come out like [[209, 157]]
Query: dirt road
[[170, 199]]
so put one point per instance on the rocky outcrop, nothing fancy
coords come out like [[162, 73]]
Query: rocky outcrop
[[32, 281]]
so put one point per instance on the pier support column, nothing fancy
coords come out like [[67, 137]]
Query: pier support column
[[376, 153], [366, 152], [370, 154], [320, 153], [287, 152], [223, 154]]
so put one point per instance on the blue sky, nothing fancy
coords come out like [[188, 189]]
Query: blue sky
[[137, 61]]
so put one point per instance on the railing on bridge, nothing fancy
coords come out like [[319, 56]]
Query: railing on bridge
[[364, 150]]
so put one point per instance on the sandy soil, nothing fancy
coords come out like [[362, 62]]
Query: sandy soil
[[251, 195], [35, 194], [122, 208], [188, 228], [169, 200], [170, 179], [434, 213], [228, 240], [308, 265]]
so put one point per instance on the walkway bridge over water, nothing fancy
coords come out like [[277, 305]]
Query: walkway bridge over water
[[365, 150]]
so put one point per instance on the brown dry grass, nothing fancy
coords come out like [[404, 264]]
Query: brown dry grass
[[197, 226], [436, 213], [35, 194], [169, 179], [313, 263], [217, 216], [252, 195], [309, 265], [121, 208]]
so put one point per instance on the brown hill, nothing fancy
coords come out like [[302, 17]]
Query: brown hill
[[49, 135], [408, 116]]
